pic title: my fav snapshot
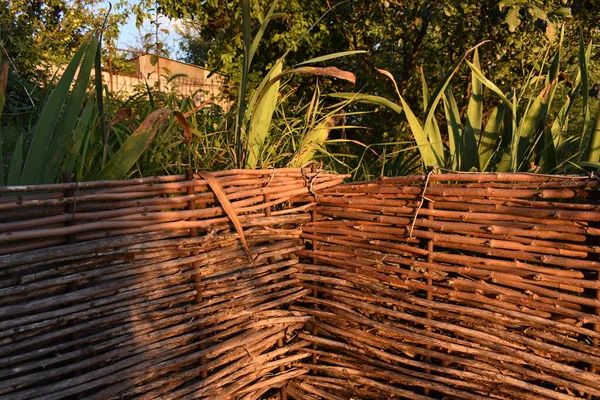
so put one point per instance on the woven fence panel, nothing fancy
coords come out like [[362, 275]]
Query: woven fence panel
[[284, 283], [470, 286], [153, 288]]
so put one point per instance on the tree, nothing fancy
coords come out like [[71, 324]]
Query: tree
[[37, 34], [403, 36]]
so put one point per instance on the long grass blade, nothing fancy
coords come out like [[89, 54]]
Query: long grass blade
[[431, 125], [432, 153], [119, 165], [431, 157], [3, 77], [172, 77], [489, 84], [16, 164], [457, 150], [488, 140], [46, 124], [331, 56], [472, 133], [241, 109], [425, 90], [260, 121], [434, 139], [504, 152], [368, 99], [61, 140], [261, 31], [584, 57], [4, 64], [99, 87], [322, 71], [270, 80], [311, 143], [82, 129], [529, 127], [316, 137], [594, 146], [514, 144], [548, 162]]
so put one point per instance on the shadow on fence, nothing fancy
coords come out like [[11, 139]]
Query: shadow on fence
[[471, 286]]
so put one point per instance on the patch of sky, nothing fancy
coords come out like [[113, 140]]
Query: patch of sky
[[131, 37]]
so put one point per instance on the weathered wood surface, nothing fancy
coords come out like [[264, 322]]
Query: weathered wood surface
[[485, 286], [476, 286]]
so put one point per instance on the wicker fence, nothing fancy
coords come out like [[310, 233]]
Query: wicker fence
[[289, 284]]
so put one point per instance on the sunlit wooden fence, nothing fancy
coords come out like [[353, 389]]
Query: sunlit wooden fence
[[286, 283]]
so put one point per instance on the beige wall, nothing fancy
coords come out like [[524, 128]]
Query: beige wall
[[195, 84]]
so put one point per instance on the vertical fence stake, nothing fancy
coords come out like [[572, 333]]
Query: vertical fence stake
[[69, 206], [428, 294], [191, 190], [595, 341], [72, 286], [70, 210], [271, 260], [315, 293]]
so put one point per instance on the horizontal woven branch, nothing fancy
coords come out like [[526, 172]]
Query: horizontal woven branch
[[461, 285], [477, 286]]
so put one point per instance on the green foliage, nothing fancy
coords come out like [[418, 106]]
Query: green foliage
[[508, 107], [137, 143], [37, 35], [521, 133], [401, 37], [50, 139]]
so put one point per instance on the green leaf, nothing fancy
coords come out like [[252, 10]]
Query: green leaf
[[16, 164], [311, 143], [273, 77], [175, 76], [433, 135], [100, 98], [431, 158], [4, 64], [241, 109], [594, 146], [558, 126], [512, 18], [368, 99], [584, 57], [260, 121], [432, 153], [457, 150], [537, 12], [489, 84], [61, 140], [528, 127], [425, 89], [514, 145], [332, 56], [48, 120], [472, 133], [79, 133], [490, 136], [564, 12], [548, 160], [261, 31], [590, 164], [432, 125], [127, 155]]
